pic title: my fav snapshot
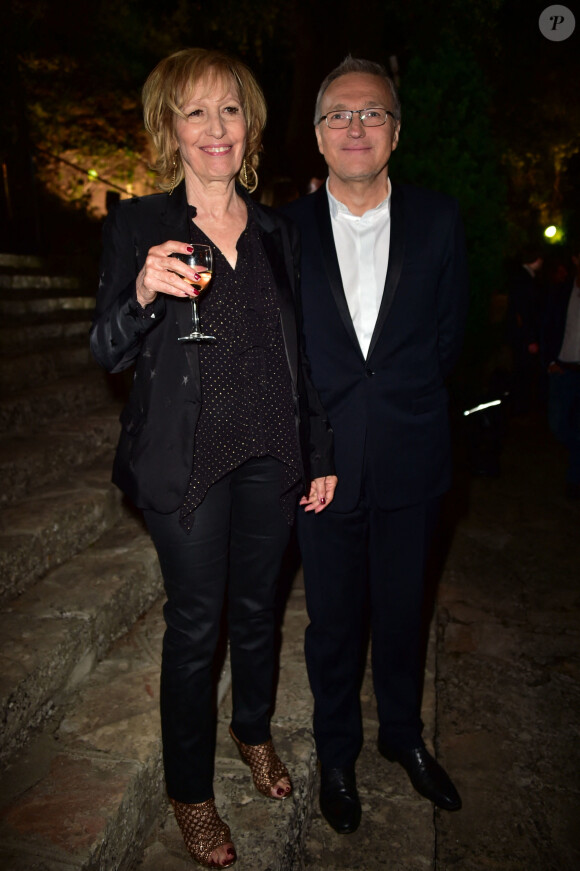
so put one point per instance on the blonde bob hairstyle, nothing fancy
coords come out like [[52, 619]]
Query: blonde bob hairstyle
[[168, 88]]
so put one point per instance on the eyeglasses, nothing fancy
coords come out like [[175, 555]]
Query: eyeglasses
[[368, 117]]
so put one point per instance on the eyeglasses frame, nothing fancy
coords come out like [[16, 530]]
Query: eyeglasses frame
[[360, 113]]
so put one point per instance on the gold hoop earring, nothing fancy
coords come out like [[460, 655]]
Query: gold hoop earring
[[249, 185], [174, 179]]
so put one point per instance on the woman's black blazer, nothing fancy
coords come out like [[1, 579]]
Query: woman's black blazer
[[155, 451]]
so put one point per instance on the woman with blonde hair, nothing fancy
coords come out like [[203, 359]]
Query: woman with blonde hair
[[219, 438]]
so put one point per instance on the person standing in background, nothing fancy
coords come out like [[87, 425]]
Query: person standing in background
[[561, 352], [523, 329]]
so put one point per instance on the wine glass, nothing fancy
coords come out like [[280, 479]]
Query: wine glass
[[201, 261]]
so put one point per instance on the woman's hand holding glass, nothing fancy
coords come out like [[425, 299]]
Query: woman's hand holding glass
[[160, 275]]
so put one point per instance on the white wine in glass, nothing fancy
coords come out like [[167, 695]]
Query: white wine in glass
[[201, 261]]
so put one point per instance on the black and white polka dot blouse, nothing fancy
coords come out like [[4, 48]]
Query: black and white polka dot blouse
[[247, 408]]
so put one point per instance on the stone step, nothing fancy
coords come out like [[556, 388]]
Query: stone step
[[70, 288], [23, 282], [22, 262], [85, 795], [75, 395], [53, 635], [29, 462], [27, 335], [18, 371], [42, 305], [49, 527]]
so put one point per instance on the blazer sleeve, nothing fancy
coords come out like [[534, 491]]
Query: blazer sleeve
[[120, 322], [452, 295], [320, 435]]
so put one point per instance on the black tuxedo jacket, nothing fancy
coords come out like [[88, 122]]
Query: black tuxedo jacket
[[388, 412], [155, 452], [554, 320]]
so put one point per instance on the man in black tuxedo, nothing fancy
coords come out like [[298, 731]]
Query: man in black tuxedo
[[384, 296], [523, 327], [561, 349]]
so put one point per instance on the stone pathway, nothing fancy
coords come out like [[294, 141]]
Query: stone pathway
[[80, 636], [79, 745], [502, 703], [508, 688]]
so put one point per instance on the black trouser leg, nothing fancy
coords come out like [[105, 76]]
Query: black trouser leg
[[351, 561], [259, 535], [334, 555], [399, 546], [195, 569]]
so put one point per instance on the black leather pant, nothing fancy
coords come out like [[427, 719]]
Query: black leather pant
[[236, 546]]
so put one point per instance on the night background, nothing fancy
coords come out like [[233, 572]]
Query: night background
[[490, 115], [490, 112]]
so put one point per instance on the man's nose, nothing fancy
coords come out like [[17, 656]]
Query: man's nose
[[356, 127]]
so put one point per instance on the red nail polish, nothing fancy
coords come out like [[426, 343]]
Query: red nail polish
[[189, 249], [196, 277], [322, 500]]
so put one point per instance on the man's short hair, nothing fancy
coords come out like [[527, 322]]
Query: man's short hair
[[358, 65]]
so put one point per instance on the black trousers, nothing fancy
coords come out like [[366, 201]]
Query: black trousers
[[365, 568], [237, 543]]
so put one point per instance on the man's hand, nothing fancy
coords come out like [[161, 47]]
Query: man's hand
[[321, 494]]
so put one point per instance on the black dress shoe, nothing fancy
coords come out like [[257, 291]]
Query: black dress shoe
[[339, 801], [426, 775]]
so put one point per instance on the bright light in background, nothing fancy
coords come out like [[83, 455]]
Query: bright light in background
[[553, 233], [94, 174], [481, 407]]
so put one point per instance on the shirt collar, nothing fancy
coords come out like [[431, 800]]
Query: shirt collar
[[338, 210]]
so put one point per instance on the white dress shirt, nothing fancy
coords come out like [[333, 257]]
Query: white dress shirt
[[570, 351], [362, 246]]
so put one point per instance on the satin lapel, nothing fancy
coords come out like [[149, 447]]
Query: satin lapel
[[176, 227], [273, 247], [396, 255], [322, 212]]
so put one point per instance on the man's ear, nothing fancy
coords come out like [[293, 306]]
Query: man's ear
[[319, 138], [396, 135]]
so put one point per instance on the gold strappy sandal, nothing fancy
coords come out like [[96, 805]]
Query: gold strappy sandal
[[203, 831], [266, 767]]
